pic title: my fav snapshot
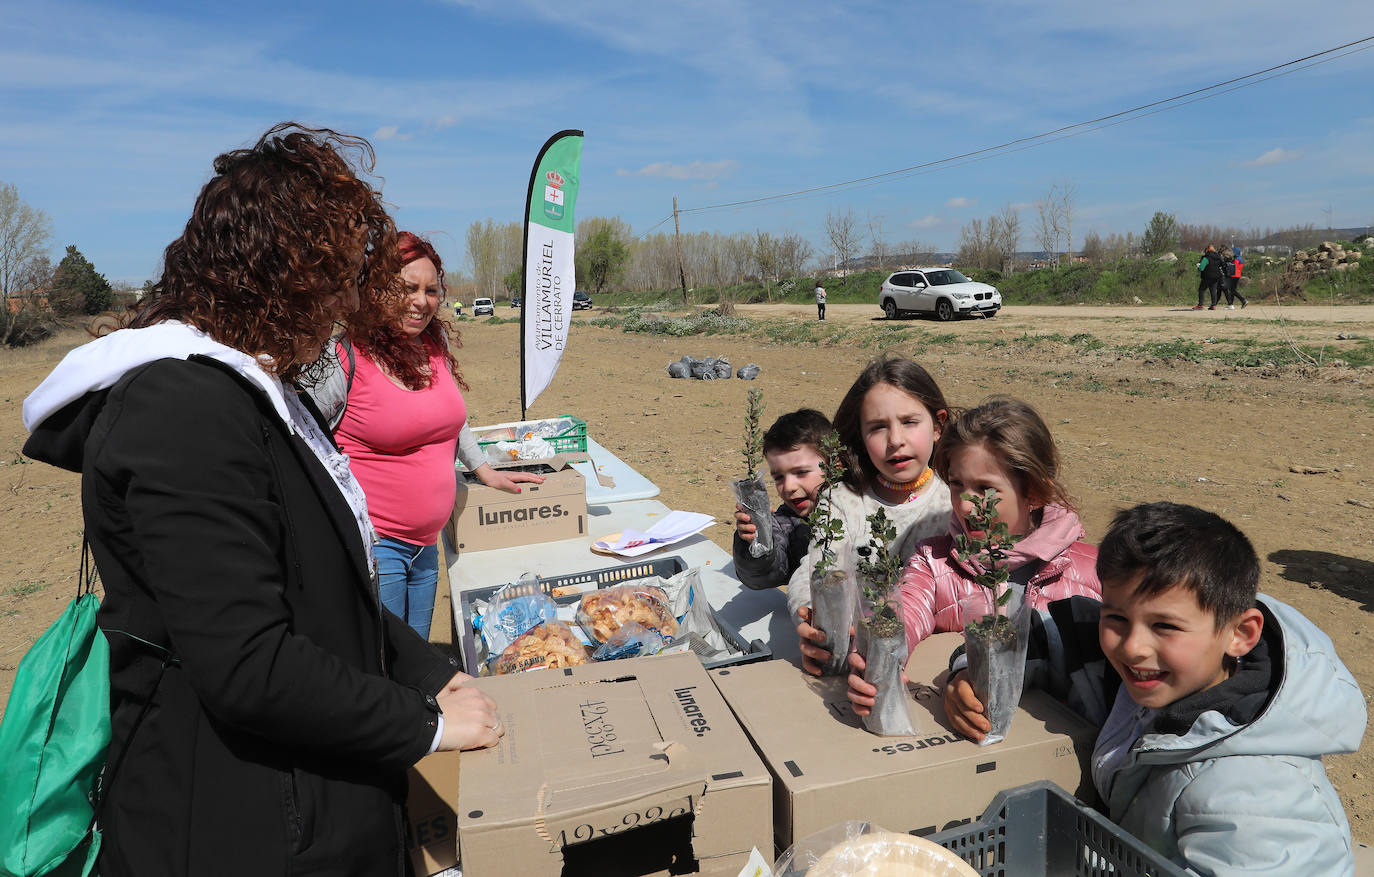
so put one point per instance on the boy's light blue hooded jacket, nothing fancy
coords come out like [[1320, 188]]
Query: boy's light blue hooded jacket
[[1235, 785]]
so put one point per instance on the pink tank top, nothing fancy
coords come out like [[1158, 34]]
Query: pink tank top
[[401, 446]]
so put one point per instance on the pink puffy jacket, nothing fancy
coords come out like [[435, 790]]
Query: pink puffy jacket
[[935, 580]]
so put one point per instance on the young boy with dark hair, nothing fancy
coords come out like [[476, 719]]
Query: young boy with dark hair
[[792, 448], [1215, 703]]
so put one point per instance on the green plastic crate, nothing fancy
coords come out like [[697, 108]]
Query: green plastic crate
[[570, 442]]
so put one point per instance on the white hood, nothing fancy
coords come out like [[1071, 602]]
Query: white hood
[[101, 363]]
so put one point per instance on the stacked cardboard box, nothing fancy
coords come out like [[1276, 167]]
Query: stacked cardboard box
[[828, 769], [484, 517], [627, 767]]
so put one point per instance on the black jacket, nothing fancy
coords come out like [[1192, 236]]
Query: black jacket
[[791, 538], [1211, 267], [278, 740]]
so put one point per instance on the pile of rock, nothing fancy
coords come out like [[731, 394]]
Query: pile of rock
[[1328, 256]]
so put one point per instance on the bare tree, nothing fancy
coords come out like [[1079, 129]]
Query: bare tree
[[36, 274], [975, 246], [844, 236], [1093, 249], [1007, 237], [1068, 194], [765, 252], [24, 234], [484, 254], [1054, 230], [794, 251], [877, 242], [913, 253]]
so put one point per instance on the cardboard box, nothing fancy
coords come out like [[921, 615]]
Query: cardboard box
[[484, 517], [828, 769], [432, 833], [625, 767]]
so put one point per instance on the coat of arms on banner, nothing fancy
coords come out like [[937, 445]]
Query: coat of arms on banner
[[553, 195]]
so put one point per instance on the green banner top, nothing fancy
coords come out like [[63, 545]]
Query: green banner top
[[553, 189]]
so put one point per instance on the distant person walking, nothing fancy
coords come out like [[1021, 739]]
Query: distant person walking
[[1231, 281], [1210, 277], [820, 301]]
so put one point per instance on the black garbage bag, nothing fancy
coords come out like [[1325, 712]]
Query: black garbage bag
[[679, 370], [704, 369], [748, 372], [722, 368]]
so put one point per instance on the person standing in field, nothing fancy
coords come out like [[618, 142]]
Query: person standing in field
[[393, 395], [1231, 282], [264, 707], [820, 301], [1210, 277]]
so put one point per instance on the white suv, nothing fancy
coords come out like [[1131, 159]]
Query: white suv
[[482, 306], [943, 292]]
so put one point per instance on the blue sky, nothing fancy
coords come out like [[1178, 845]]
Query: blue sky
[[113, 113]]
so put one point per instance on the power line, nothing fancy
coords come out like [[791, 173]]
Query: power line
[[984, 155], [1057, 134]]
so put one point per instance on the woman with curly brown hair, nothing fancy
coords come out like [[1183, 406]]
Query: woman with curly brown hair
[[393, 394], [264, 706]]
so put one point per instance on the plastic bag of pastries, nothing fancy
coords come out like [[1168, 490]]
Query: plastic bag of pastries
[[602, 612], [550, 645]]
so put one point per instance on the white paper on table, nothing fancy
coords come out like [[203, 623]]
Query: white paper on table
[[674, 527]]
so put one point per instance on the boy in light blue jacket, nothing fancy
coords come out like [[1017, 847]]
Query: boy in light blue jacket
[[1215, 704]]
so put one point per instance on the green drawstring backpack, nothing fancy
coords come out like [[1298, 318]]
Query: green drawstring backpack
[[54, 734]]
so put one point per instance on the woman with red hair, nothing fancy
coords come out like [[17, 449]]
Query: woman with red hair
[[393, 396], [263, 710]]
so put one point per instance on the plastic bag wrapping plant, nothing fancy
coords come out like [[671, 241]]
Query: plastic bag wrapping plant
[[884, 658], [752, 493], [603, 612], [630, 641], [859, 849], [834, 598], [721, 367], [748, 372], [995, 644], [550, 644]]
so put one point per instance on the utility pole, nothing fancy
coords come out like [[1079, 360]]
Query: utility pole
[[677, 233]]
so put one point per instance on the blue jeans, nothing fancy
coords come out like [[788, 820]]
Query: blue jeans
[[408, 576]]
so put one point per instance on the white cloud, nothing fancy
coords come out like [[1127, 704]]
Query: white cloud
[[929, 221], [961, 201], [389, 132], [695, 170], [1273, 157], [446, 121]]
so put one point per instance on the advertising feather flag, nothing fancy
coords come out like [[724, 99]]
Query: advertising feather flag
[[548, 278]]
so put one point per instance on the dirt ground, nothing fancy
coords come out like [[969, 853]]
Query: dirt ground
[[1282, 451]]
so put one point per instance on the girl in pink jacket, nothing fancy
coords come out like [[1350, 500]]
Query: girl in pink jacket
[[1003, 444]]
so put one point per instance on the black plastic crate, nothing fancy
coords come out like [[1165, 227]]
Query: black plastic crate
[[1039, 830], [606, 577]]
